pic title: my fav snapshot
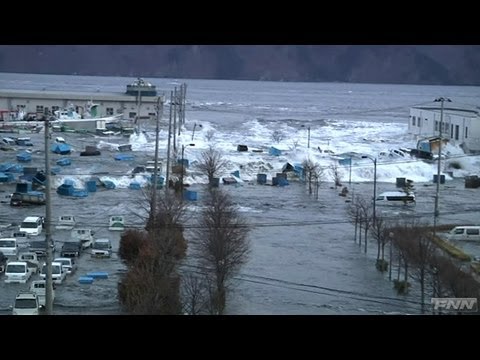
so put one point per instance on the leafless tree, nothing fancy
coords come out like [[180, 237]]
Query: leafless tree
[[381, 233], [353, 213], [336, 174], [222, 242], [278, 136], [211, 163], [209, 135], [420, 250], [454, 281], [310, 169], [318, 177], [366, 216], [196, 294]]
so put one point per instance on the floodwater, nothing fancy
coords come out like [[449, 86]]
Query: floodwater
[[303, 258]]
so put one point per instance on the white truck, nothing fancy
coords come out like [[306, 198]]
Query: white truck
[[38, 287], [31, 259]]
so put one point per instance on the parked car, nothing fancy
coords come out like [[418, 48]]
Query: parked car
[[102, 248], [71, 249], [40, 247], [26, 303], [58, 274], [68, 264], [9, 246], [32, 225], [17, 272]]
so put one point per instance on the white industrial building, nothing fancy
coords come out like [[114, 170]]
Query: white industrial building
[[138, 102], [460, 124]]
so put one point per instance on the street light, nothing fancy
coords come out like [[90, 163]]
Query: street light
[[308, 128], [183, 165], [374, 185], [193, 132], [436, 213]]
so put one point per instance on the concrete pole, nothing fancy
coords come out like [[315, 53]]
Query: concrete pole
[[175, 120], [48, 223], [153, 207], [167, 173], [437, 192]]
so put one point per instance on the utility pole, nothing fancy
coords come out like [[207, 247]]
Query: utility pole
[[350, 173], [437, 193], [180, 109], [47, 222], [174, 119], [168, 144], [184, 101], [308, 146], [139, 100], [153, 207]]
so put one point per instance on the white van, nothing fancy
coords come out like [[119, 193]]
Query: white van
[[465, 233], [17, 272], [9, 246], [58, 274], [32, 225], [395, 197]]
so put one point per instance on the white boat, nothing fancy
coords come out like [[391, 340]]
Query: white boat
[[117, 223], [66, 222], [89, 113]]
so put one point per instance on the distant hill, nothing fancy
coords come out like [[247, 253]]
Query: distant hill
[[406, 64]]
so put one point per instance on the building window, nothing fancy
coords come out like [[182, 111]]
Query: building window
[[132, 115], [418, 122], [457, 131], [466, 132], [55, 108], [451, 131], [436, 125], [413, 120], [39, 108], [151, 114], [109, 111]]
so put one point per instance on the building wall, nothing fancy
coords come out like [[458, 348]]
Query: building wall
[[426, 123], [127, 108]]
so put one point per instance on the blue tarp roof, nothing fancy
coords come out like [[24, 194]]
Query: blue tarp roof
[[124, 157], [61, 148]]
